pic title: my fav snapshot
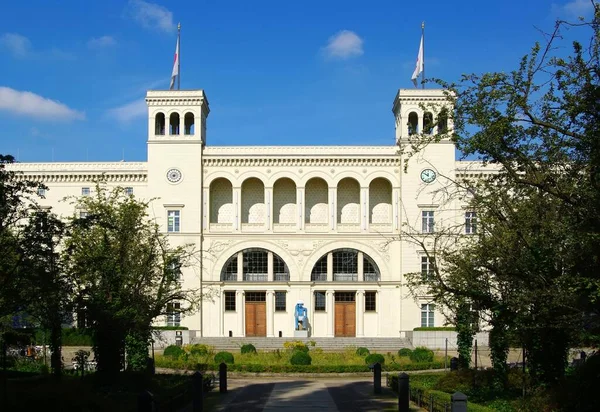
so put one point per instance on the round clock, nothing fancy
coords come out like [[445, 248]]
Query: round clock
[[173, 175], [428, 175]]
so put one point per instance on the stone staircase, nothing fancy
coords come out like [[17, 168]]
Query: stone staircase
[[381, 345]]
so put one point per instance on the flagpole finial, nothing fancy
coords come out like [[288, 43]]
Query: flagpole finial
[[178, 26], [423, 25]]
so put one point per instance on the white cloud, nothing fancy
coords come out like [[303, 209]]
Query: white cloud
[[151, 16], [129, 111], [101, 42], [34, 105], [18, 45], [344, 45], [574, 9]]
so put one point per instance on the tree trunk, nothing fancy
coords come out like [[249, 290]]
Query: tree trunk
[[55, 347]]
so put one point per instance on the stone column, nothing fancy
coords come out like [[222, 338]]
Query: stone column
[[330, 310], [270, 274], [330, 267], [361, 267], [237, 207], [205, 209], [270, 312], [269, 207], [300, 192], [221, 312], [332, 198], [241, 309], [240, 266], [365, 209], [360, 313]]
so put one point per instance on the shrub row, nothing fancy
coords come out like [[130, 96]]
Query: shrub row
[[438, 397]]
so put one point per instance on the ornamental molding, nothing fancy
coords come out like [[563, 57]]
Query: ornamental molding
[[84, 177], [300, 162]]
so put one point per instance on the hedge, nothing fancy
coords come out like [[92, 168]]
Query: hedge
[[421, 354], [169, 328], [300, 358], [434, 328], [248, 348], [226, 357], [362, 351]]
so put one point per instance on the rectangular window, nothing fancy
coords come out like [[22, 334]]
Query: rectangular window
[[173, 220], [427, 267], [83, 214], [129, 191], [427, 319], [319, 301], [370, 301], [280, 302], [41, 191], [174, 270], [85, 191], [230, 301], [173, 314], [427, 218], [470, 223]]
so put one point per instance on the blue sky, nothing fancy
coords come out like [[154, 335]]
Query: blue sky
[[73, 73]]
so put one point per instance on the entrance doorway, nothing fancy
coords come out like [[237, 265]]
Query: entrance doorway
[[345, 314], [256, 314]]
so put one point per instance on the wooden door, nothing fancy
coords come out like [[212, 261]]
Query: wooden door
[[345, 319], [256, 319]]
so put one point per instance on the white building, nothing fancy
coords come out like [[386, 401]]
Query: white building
[[279, 224]]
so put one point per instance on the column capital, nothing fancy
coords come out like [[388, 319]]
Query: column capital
[[361, 292], [270, 292]]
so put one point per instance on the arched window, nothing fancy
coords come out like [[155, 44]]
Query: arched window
[[174, 124], [159, 124], [443, 121], [188, 122], [428, 123], [347, 265], [413, 123], [254, 267]]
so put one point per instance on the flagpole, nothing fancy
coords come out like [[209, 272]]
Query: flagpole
[[179, 57], [423, 63]]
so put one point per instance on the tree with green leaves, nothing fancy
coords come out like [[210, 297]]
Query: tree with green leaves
[[125, 272]]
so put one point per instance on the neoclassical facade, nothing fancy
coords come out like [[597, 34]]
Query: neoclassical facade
[[282, 224]]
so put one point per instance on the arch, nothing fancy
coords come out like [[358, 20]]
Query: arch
[[316, 201], [348, 201], [413, 123], [346, 266], [442, 121], [255, 266], [284, 201], [221, 201], [159, 124], [174, 123], [380, 201], [188, 123], [253, 201], [428, 123]]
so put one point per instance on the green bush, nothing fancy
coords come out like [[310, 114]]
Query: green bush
[[300, 358], [173, 352], [296, 346], [421, 354], [199, 349], [226, 357], [405, 352], [75, 337], [248, 348], [375, 358], [362, 351]]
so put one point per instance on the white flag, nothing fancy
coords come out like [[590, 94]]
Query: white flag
[[175, 72], [419, 67]]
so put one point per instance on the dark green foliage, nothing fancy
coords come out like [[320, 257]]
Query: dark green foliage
[[169, 328], [362, 351], [226, 357], [173, 352], [136, 349], [300, 358], [435, 328], [466, 332], [375, 358], [248, 348], [421, 355], [405, 352], [199, 350]]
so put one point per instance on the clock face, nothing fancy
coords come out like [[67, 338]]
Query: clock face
[[428, 175], [173, 175]]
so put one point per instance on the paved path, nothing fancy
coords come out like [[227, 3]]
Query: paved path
[[303, 395]]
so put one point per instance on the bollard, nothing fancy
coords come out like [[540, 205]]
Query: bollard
[[459, 402], [403, 392], [197, 392], [223, 377], [377, 378], [145, 402]]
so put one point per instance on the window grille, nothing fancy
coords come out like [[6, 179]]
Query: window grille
[[319, 272], [319, 301], [427, 315], [280, 302], [428, 222], [173, 221], [370, 301], [230, 301], [470, 223]]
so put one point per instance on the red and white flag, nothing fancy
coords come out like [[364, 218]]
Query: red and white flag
[[419, 67], [175, 72]]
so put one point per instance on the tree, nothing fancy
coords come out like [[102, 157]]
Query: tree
[[534, 266], [124, 270], [44, 287]]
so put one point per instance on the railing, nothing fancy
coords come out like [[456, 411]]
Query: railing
[[348, 227], [256, 277], [284, 227], [221, 227], [281, 277], [229, 277], [318, 277], [380, 227], [345, 277], [316, 227], [371, 277], [253, 227]]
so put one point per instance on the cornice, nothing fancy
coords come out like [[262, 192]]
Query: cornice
[[301, 162], [85, 177]]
